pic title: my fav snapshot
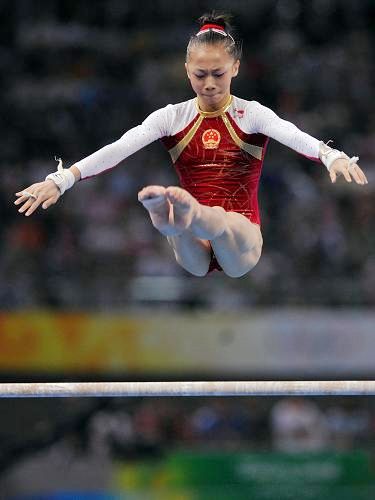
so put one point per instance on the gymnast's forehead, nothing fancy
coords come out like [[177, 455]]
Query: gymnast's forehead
[[214, 56]]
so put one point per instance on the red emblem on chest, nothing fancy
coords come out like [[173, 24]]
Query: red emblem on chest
[[211, 138]]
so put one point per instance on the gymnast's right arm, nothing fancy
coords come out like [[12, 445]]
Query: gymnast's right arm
[[47, 192]]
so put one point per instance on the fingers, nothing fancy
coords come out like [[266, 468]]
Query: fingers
[[345, 172], [332, 174], [348, 171], [30, 206], [47, 203], [357, 174], [44, 193], [27, 203], [22, 198], [361, 175]]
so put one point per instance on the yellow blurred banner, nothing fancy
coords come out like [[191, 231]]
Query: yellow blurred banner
[[56, 342], [285, 341], [105, 343]]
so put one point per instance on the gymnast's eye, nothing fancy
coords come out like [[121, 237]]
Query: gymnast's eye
[[215, 75]]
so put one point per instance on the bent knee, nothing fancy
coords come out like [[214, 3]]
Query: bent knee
[[238, 273], [200, 272], [245, 264], [198, 269]]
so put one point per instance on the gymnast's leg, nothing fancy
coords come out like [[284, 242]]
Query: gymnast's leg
[[236, 242], [192, 228], [192, 253]]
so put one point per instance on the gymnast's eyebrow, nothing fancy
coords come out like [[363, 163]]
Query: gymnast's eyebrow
[[216, 70]]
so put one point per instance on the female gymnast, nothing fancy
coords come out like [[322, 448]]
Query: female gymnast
[[217, 143]]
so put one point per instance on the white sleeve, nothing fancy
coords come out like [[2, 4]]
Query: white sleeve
[[154, 127], [264, 121]]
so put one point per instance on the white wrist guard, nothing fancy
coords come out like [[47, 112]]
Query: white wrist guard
[[328, 155], [63, 177]]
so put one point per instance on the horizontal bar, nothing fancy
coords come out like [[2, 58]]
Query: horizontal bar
[[181, 389]]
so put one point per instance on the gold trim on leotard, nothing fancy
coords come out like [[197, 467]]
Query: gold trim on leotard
[[255, 151], [218, 112], [178, 148]]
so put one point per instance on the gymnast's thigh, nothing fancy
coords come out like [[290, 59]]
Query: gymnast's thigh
[[239, 249], [192, 253]]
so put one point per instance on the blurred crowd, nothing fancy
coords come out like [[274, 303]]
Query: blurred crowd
[[77, 75], [72, 441], [289, 425]]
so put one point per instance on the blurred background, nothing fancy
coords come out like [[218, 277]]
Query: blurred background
[[90, 290]]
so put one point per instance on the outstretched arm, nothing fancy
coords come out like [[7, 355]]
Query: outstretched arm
[[47, 193], [266, 122], [338, 163]]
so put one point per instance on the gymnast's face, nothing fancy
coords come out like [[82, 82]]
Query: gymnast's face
[[210, 70]]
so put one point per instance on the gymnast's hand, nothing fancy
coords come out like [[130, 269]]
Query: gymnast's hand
[[44, 193], [350, 170]]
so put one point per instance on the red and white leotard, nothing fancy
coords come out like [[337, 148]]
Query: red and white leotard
[[218, 155]]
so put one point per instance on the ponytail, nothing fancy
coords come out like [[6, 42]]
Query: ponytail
[[215, 29]]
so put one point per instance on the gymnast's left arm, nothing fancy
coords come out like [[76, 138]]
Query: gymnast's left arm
[[266, 122]]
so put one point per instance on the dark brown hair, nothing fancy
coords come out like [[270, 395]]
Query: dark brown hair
[[211, 37]]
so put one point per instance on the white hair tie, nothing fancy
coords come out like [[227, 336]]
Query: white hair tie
[[216, 30]]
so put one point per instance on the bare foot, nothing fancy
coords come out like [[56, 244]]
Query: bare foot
[[155, 201], [185, 207], [153, 197], [204, 222]]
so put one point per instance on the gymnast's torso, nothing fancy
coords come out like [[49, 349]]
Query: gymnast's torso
[[217, 162], [218, 155]]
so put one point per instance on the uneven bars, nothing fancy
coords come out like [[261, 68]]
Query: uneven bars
[[178, 389]]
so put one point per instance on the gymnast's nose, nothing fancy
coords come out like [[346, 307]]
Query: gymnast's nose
[[209, 85]]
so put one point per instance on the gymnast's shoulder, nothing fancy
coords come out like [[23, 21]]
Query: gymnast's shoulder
[[173, 118], [243, 108]]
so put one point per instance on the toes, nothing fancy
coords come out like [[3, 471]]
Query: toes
[[180, 198], [155, 190], [176, 194], [172, 190], [154, 202], [151, 192], [153, 198]]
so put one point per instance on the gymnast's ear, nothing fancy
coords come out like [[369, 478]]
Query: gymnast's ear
[[187, 70], [235, 68]]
